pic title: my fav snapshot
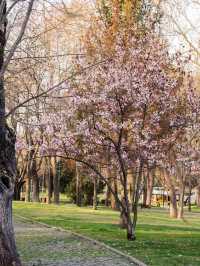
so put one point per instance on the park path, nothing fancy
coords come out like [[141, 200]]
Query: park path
[[42, 246]]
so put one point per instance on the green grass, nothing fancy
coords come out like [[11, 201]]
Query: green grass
[[160, 240]]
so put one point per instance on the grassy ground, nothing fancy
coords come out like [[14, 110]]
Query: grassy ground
[[160, 240], [42, 246]]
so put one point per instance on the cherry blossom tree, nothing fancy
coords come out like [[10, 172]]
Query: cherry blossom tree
[[130, 107]]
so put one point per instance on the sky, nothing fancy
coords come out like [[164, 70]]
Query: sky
[[184, 16]]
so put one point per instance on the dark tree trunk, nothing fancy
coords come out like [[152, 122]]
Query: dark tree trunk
[[108, 174], [49, 182], [144, 200], [35, 182], [95, 194], [56, 189], [28, 189], [8, 251], [134, 182], [189, 196], [36, 188], [126, 221], [137, 195], [114, 203], [56, 182], [17, 190], [123, 216], [17, 193], [78, 188], [123, 220], [29, 173]]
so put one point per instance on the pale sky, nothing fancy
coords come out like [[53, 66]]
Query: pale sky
[[183, 19]]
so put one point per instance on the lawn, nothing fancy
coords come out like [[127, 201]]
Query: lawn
[[160, 240]]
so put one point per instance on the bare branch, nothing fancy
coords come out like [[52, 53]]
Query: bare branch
[[19, 38]]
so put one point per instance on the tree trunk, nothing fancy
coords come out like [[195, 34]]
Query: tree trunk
[[198, 196], [78, 188], [17, 193], [28, 189], [108, 195], [95, 194], [126, 223], [134, 182], [137, 195], [17, 190], [35, 181], [36, 188], [49, 181], [114, 203], [181, 201], [108, 174], [173, 203], [150, 180], [130, 230], [29, 172], [123, 220], [144, 199], [172, 194], [8, 253], [189, 197], [56, 189], [56, 182]]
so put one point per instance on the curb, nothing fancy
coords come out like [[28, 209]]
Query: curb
[[95, 242]]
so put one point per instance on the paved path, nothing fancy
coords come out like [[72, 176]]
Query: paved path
[[42, 246]]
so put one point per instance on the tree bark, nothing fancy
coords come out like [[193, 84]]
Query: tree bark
[[181, 201], [107, 200], [35, 182], [56, 182], [29, 173], [17, 190], [28, 189], [78, 188], [189, 197], [150, 180], [137, 195], [95, 194], [123, 220], [49, 181], [126, 220], [173, 212], [144, 203], [198, 196], [173, 203], [108, 192], [8, 251], [114, 203], [36, 188]]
